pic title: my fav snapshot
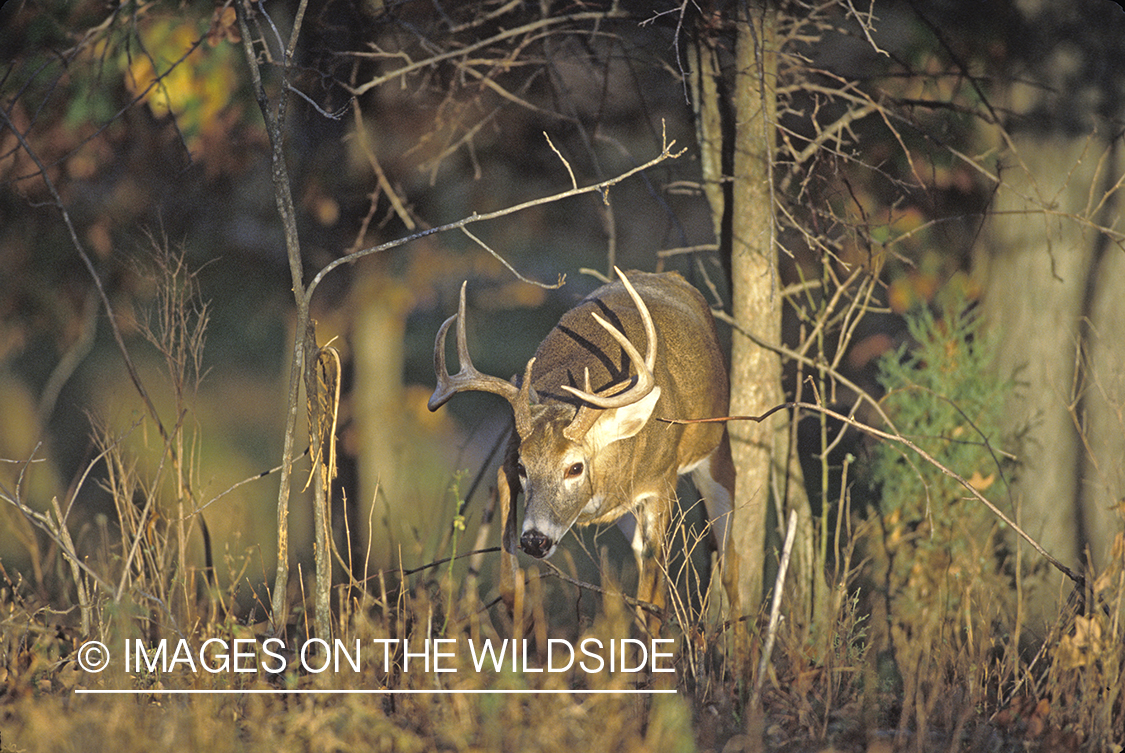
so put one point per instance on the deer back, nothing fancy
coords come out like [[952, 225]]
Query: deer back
[[689, 367]]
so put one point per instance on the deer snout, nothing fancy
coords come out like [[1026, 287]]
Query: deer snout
[[536, 543]]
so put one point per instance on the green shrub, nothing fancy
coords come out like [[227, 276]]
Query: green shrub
[[936, 559]]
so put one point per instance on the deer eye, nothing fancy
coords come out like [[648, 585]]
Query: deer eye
[[575, 470], [521, 470]]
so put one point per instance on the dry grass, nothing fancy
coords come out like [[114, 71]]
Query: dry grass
[[957, 680], [824, 690]]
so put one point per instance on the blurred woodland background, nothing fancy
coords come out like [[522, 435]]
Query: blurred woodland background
[[907, 212]]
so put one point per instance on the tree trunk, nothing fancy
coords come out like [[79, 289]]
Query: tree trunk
[[755, 371], [378, 334], [1053, 279], [760, 449], [1057, 302]]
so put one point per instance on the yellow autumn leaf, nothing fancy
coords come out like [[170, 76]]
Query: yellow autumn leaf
[[979, 482]]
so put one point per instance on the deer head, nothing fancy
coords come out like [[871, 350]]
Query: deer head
[[561, 447]]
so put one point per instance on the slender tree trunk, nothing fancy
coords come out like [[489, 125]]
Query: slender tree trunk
[[755, 371], [279, 172], [383, 447], [766, 468], [745, 223]]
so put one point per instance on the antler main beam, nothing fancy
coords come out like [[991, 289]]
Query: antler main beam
[[468, 378], [645, 380]]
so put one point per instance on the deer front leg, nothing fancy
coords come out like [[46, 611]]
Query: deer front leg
[[649, 537]]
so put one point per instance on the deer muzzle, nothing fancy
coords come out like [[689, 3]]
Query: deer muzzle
[[536, 543]]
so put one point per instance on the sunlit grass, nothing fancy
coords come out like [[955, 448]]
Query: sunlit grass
[[957, 679]]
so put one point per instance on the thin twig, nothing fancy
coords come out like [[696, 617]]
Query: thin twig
[[1077, 579], [330, 115], [573, 182], [134, 376], [236, 485], [467, 49], [509, 267]]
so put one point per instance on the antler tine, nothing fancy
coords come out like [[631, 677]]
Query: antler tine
[[444, 388], [645, 380], [646, 319], [468, 378]]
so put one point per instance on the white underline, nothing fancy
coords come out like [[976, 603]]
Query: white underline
[[297, 691]]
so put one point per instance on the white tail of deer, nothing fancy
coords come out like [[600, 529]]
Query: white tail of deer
[[585, 447]]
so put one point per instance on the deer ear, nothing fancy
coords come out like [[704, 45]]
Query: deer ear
[[615, 424]]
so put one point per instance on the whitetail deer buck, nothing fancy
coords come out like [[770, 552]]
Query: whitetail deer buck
[[584, 449]]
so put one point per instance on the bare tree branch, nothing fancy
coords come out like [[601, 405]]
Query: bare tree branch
[[848, 420], [534, 26], [602, 187]]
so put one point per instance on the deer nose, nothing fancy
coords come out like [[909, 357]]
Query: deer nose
[[536, 543]]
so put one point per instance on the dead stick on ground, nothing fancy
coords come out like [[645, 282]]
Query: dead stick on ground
[[775, 609]]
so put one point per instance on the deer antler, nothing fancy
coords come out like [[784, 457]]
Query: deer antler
[[634, 392], [644, 381], [469, 379]]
